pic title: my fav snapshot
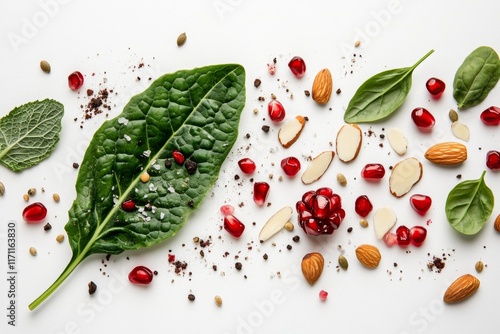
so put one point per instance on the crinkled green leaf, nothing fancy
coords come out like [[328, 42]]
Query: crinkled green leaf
[[29, 133], [196, 112], [476, 77], [381, 95], [469, 205]]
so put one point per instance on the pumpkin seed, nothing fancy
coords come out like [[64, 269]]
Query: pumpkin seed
[[363, 223], [341, 179], [56, 198], [60, 238], [33, 251], [2, 189], [31, 191], [453, 115], [181, 39], [343, 262], [218, 300], [479, 266], [45, 66]]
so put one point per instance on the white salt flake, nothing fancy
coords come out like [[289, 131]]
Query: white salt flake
[[127, 137], [123, 120], [162, 215], [171, 189], [146, 153]]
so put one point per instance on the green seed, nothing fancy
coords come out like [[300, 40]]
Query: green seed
[[2, 189], [343, 262], [45, 66], [453, 115], [181, 39]]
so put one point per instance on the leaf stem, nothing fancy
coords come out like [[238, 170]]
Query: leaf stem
[[422, 59]]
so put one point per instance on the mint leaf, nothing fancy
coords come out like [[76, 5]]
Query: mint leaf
[[196, 112], [29, 133]]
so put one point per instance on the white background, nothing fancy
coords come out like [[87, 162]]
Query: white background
[[108, 40]]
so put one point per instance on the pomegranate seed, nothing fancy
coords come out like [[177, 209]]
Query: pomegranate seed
[[75, 80], [233, 226], [247, 165], [34, 213], [435, 86], [323, 295], [493, 160], [227, 209], [178, 157], [373, 172], [171, 258], [320, 211], [491, 116], [129, 206], [420, 203], [390, 239], [260, 192], [140, 275], [423, 119], [276, 111], [418, 234], [297, 66], [290, 165], [403, 235], [363, 206]]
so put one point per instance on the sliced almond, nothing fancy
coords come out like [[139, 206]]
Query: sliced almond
[[276, 223], [317, 167], [460, 130], [349, 140], [397, 140], [290, 132], [383, 220], [405, 174]]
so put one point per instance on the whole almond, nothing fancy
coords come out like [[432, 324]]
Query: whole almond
[[447, 153], [322, 86], [497, 223], [368, 255], [461, 289], [312, 267]]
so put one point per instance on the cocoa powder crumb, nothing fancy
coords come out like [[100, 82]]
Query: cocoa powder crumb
[[257, 83]]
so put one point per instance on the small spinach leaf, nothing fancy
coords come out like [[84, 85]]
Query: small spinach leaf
[[469, 205], [29, 133], [196, 112], [476, 77], [381, 95]]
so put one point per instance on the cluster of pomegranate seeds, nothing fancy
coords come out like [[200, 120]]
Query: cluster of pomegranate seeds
[[233, 226], [363, 206], [493, 160], [423, 119], [260, 192], [140, 275], [34, 213], [373, 172], [491, 116], [297, 66], [405, 236], [276, 111], [247, 165], [178, 157], [75, 80], [129, 206], [420, 203], [320, 211], [290, 165], [435, 86]]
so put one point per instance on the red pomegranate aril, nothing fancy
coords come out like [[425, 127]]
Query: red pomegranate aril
[[140, 275], [321, 206], [129, 206], [390, 239], [423, 119], [491, 116], [325, 191], [227, 209], [260, 192], [307, 197], [403, 236], [178, 157], [233, 226], [420, 203], [297, 66], [363, 206], [290, 165], [75, 80], [247, 165], [323, 295], [435, 86], [373, 172], [34, 213], [418, 235], [171, 258], [335, 202], [493, 160], [276, 111]]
